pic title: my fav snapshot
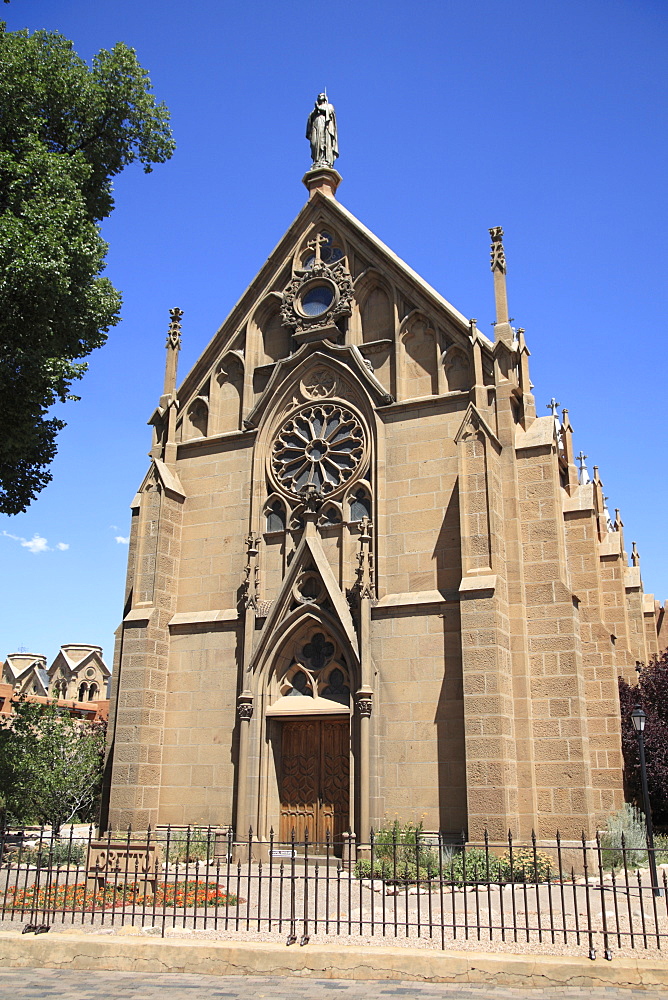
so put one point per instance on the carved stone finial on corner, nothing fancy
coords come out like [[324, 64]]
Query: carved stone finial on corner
[[635, 555], [364, 585], [250, 586], [174, 331], [173, 346], [497, 254]]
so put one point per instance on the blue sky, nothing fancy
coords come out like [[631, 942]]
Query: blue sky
[[547, 118]]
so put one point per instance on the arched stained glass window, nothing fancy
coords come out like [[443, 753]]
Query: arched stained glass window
[[331, 516], [360, 505], [300, 685], [276, 516], [337, 689]]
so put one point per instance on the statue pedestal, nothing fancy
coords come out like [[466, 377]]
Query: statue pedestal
[[324, 179]]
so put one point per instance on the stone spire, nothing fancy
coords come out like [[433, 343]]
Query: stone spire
[[173, 346], [583, 474], [165, 430], [502, 328], [566, 435]]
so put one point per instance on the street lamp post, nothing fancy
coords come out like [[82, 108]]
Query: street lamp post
[[638, 718]]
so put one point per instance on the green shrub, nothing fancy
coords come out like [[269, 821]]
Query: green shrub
[[61, 852], [400, 846], [397, 849], [404, 872], [661, 844], [628, 823], [195, 844], [525, 866]]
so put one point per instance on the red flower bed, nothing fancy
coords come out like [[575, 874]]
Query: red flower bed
[[84, 899]]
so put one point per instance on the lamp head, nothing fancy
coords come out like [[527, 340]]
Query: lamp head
[[638, 718]]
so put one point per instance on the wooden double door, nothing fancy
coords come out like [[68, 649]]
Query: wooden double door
[[315, 779]]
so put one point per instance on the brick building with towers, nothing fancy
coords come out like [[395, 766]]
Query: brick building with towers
[[365, 579]]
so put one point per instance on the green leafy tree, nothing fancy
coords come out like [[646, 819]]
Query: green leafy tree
[[50, 765], [66, 129]]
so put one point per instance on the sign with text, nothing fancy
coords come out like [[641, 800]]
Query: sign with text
[[120, 859]]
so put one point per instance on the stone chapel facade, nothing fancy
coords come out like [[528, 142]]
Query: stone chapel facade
[[365, 579]]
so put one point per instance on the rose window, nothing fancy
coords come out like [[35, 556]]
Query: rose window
[[322, 445]]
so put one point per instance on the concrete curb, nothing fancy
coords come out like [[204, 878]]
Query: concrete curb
[[227, 958]]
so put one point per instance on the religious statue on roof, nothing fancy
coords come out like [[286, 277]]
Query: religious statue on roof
[[321, 133]]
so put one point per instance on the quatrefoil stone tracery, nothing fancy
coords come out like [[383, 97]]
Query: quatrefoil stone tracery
[[322, 445]]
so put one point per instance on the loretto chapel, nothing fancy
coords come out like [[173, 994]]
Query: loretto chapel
[[366, 580]]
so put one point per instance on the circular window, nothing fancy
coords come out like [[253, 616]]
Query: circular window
[[317, 299], [90, 672], [322, 445]]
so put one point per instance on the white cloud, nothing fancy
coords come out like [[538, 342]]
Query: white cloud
[[36, 544], [121, 540]]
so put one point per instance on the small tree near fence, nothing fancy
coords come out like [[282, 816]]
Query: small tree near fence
[[50, 765], [651, 693]]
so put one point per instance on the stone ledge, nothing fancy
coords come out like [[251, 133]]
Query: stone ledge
[[203, 617], [410, 600], [139, 615], [235, 958], [471, 584]]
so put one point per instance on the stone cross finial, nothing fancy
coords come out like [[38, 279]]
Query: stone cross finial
[[635, 555], [497, 254], [554, 406], [583, 475], [316, 245]]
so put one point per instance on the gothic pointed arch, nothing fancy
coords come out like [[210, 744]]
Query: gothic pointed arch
[[310, 673], [272, 339], [375, 306], [196, 421], [227, 393], [311, 640], [309, 589], [457, 368], [314, 371], [419, 356], [275, 512]]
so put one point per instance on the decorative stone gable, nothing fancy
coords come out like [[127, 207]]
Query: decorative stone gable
[[318, 295]]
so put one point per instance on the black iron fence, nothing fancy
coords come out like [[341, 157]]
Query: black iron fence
[[580, 894]]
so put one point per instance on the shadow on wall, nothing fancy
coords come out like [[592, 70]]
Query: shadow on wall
[[449, 715]]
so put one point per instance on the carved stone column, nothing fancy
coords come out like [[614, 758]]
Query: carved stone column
[[367, 594], [364, 707], [244, 714]]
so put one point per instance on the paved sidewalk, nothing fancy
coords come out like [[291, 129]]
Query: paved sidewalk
[[44, 984]]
